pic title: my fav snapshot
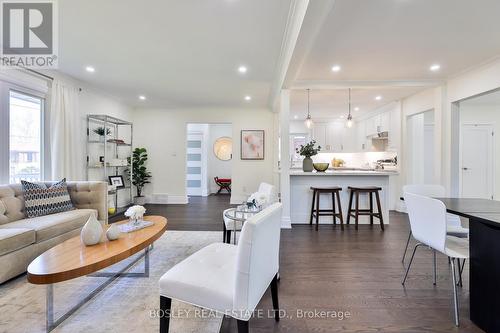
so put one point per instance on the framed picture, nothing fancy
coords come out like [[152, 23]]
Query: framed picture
[[252, 144], [116, 181]]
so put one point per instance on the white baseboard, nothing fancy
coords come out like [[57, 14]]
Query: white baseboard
[[164, 198], [286, 223]]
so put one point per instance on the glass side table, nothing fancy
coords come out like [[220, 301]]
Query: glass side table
[[239, 215]]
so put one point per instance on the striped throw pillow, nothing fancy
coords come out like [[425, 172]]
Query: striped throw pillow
[[40, 200]]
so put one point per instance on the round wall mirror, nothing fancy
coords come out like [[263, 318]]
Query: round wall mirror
[[223, 148]]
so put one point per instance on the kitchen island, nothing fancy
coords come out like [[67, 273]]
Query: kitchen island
[[301, 194]]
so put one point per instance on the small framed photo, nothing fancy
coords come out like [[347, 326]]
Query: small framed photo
[[116, 181], [252, 144]]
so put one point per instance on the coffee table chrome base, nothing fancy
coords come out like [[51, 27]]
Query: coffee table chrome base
[[51, 323]]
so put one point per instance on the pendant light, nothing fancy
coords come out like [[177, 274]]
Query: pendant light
[[309, 123], [349, 116]]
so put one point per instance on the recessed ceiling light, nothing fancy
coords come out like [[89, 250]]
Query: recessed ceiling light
[[435, 67], [356, 109], [242, 69], [248, 98], [142, 97], [295, 117], [335, 68], [90, 69], [378, 98]]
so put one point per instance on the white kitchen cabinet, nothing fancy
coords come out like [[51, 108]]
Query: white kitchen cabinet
[[385, 122], [394, 131], [320, 135], [360, 128], [335, 134]]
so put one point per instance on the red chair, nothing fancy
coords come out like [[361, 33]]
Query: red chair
[[224, 184]]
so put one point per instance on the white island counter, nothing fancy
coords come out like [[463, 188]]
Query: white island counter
[[301, 194]]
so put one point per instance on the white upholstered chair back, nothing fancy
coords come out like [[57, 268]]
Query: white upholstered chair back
[[428, 190], [270, 191], [257, 257], [427, 220]]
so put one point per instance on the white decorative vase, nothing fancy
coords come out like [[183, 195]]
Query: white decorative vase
[[113, 232], [92, 231]]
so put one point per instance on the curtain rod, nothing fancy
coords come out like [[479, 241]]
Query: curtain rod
[[42, 75], [38, 73]]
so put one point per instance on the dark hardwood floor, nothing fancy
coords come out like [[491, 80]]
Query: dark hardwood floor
[[351, 271]]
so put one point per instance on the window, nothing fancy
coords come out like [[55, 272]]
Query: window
[[25, 137]]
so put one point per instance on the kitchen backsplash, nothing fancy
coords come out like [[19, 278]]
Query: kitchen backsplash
[[352, 160]]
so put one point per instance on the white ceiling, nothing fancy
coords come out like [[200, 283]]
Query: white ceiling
[[175, 52], [388, 46], [401, 39], [186, 52]]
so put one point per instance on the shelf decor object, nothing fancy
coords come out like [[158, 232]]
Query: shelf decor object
[[109, 146]]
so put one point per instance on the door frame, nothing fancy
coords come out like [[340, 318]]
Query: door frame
[[491, 156]]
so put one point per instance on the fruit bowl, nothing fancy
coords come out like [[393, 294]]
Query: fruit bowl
[[321, 167]]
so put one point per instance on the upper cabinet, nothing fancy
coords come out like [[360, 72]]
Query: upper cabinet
[[333, 137]]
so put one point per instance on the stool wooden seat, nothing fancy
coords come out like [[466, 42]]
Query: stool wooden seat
[[356, 212], [316, 212]]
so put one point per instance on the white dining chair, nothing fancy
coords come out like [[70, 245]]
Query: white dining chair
[[229, 279], [230, 225], [428, 225], [453, 225]]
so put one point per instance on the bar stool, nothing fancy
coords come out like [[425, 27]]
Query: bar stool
[[316, 212], [356, 212]]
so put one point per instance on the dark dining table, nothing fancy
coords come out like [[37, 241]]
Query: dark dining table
[[484, 248]]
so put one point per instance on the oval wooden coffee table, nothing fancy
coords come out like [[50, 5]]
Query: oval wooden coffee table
[[72, 259]]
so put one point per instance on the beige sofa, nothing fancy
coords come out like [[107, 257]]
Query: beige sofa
[[22, 239]]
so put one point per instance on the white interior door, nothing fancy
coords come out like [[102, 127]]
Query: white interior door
[[476, 161], [194, 164]]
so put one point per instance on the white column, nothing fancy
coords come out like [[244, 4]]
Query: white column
[[284, 117]]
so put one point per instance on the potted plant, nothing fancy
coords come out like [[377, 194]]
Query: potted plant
[[102, 132], [307, 151], [140, 175]]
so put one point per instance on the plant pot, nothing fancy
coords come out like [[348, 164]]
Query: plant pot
[[140, 200], [307, 164]]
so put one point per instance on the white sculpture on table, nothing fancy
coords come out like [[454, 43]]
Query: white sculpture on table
[[92, 231]]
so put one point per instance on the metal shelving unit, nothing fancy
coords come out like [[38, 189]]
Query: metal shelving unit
[[109, 150]]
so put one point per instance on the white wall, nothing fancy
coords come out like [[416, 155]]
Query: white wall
[[94, 101], [216, 167], [486, 114], [443, 100], [163, 133]]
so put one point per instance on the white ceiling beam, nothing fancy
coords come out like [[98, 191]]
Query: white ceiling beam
[[296, 16], [317, 14], [329, 85]]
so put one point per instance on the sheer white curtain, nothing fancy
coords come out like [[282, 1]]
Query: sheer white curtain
[[65, 135]]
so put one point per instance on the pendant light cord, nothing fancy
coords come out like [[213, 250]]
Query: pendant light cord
[[349, 102], [308, 112]]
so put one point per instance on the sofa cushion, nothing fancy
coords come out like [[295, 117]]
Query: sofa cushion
[[15, 239], [40, 200], [205, 278], [50, 226], [12, 200]]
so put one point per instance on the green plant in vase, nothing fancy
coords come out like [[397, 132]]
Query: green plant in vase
[[140, 174], [307, 151], [102, 132]]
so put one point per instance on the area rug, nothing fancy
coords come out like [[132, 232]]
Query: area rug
[[126, 305]]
